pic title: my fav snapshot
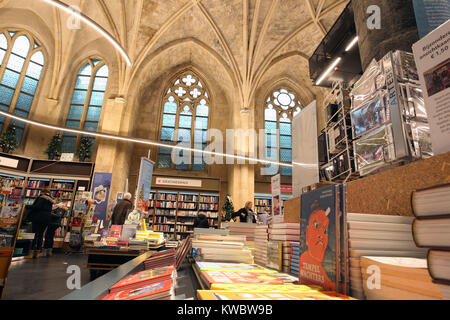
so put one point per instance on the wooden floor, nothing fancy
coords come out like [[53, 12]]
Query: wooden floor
[[46, 278]]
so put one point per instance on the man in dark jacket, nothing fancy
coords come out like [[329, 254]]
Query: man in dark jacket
[[201, 222], [41, 217], [121, 210]]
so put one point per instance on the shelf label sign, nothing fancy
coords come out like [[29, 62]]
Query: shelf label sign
[[7, 162], [179, 182]]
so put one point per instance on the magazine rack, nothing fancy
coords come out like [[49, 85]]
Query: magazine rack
[[338, 136], [389, 119]]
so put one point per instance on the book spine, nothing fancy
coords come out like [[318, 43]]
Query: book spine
[[413, 194]]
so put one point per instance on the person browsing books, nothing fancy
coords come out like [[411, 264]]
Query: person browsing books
[[201, 222], [55, 224], [262, 217], [40, 219], [246, 214], [121, 210]]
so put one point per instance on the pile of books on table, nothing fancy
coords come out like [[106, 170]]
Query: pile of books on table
[[153, 284]]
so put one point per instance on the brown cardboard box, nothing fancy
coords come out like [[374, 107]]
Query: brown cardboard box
[[292, 210]]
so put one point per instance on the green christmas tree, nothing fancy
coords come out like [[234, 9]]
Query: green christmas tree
[[54, 147], [84, 148], [8, 140], [228, 208]]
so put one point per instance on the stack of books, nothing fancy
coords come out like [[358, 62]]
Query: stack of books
[[284, 232], [377, 235], [161, 259], [261, 237], [137, 244], [431, 230], [295, 258], [222, 249], [395, 278], [154, 284], [245, 229]]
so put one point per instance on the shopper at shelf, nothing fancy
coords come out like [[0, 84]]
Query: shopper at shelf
[[246, 214], [40, 219], [262, 217], [201, 221], [121, 210], [55, 223]]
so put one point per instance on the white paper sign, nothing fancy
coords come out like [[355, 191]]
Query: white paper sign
[[432, 55], [179, 182], [67, 156], [7, 162]]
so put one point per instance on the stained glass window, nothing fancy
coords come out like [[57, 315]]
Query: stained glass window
[[281, 106], [86, 102], [21, 65], [185, 121]]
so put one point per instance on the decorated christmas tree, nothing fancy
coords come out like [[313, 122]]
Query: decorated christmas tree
[[84, 149], [228, 208], [54, 147], [8, 140]]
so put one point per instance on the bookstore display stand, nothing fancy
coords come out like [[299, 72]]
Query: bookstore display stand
[[338, 136], [11, 217], [63, 179]]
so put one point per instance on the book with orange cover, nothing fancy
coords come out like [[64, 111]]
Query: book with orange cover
[[230, 295], [155, 291], [230, 277], [143, 278]]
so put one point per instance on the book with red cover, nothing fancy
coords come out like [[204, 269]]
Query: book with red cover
[[154, 291], [143, 278]]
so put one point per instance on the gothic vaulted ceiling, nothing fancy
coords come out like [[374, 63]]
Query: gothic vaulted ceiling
[[255, 41]]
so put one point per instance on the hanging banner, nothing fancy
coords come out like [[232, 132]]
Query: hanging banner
[[432, 55], [101, 188], [277, 213], [430, 14], [144, 184]]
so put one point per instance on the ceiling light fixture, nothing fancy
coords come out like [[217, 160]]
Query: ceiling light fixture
[[93, 24], [148, 142], [352, 44], [334, 64]]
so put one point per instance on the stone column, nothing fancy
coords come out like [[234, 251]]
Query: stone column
[[398, 28], [241, 177], [113, 156]]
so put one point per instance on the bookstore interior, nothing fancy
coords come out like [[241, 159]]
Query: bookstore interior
[[225, 150]]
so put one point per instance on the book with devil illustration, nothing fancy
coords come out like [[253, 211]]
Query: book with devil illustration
[[320, 238]]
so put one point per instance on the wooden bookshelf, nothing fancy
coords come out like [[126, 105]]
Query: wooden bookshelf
[[61, 177], [174, 212]]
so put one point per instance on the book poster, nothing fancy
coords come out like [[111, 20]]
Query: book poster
[[101, 188], [432, 55], [318, 251], [9, 219], [144, 184], [277, 213], [430, 14]]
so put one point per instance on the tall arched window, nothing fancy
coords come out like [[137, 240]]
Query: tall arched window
[[21, 63], [281, 107], [87, 101], [185, 120]]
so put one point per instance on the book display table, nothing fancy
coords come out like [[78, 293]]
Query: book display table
[[102, 260]]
